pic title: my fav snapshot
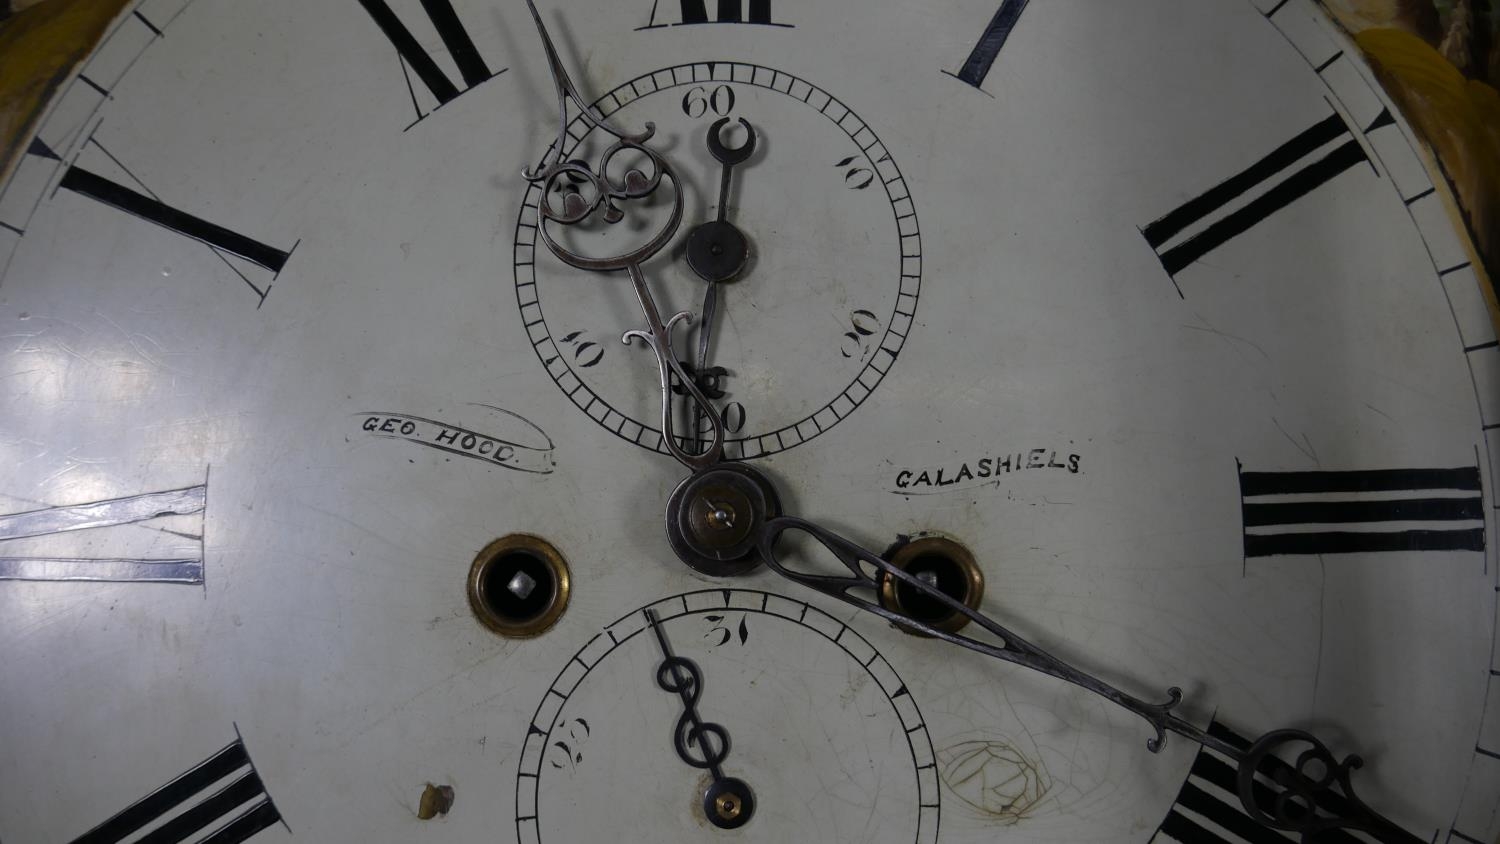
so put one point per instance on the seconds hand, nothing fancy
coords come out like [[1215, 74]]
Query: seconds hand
[[717, 251]]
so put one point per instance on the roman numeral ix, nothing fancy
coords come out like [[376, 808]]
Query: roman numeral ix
[[99, 515], [1291, 512], [236, 811], [977, 66], [471, 65], [1202, 225]]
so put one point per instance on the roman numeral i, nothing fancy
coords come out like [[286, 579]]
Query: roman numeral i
[[1292, 512], [977, 66]]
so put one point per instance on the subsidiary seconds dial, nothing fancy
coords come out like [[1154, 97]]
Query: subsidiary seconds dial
[[818, 316]]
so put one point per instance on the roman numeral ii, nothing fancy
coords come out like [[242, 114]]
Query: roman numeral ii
[[1291, 512], [235, 811], [1199, 226]]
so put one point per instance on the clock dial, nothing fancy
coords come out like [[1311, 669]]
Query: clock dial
[[1201, 378]]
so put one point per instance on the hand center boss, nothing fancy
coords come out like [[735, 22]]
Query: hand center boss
[[729, 513]]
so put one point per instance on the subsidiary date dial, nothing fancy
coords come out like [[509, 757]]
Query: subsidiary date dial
[[824, 304], [802, 708]]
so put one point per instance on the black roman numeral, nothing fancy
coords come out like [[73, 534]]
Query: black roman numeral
[[237, 810], [460, 46], [696, 11], [135, 510], [118, 196], [147, 206], [977, 66], [1210, 232], [1208, 808], [1289, 512]]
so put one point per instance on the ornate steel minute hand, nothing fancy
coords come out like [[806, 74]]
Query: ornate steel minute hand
[[598, 192], [1311, 797]]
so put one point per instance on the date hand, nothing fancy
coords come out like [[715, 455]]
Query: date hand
[[728, 802], [595, 190]]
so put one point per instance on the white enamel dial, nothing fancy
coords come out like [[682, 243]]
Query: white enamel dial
[[1186, 351]]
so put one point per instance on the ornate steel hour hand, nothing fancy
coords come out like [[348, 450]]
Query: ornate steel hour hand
[[728, 801], [595, 190], [1310, 797]]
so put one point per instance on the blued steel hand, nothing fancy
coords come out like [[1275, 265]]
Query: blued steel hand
[[596, 191], [728, 802], [717, 250], [680, 676]]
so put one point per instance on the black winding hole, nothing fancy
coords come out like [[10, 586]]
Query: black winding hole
[[939, 563], [519, 585], [951, 580], [500, 599]]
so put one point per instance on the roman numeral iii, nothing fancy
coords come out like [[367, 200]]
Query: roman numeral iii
[[1293, 512], [223, 794], [132, 513], [471, 66], [1202, 225]]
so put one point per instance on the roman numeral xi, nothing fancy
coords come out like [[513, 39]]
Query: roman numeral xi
[[1305, 512], [1202, 224], [223, 793], [471, 65]]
